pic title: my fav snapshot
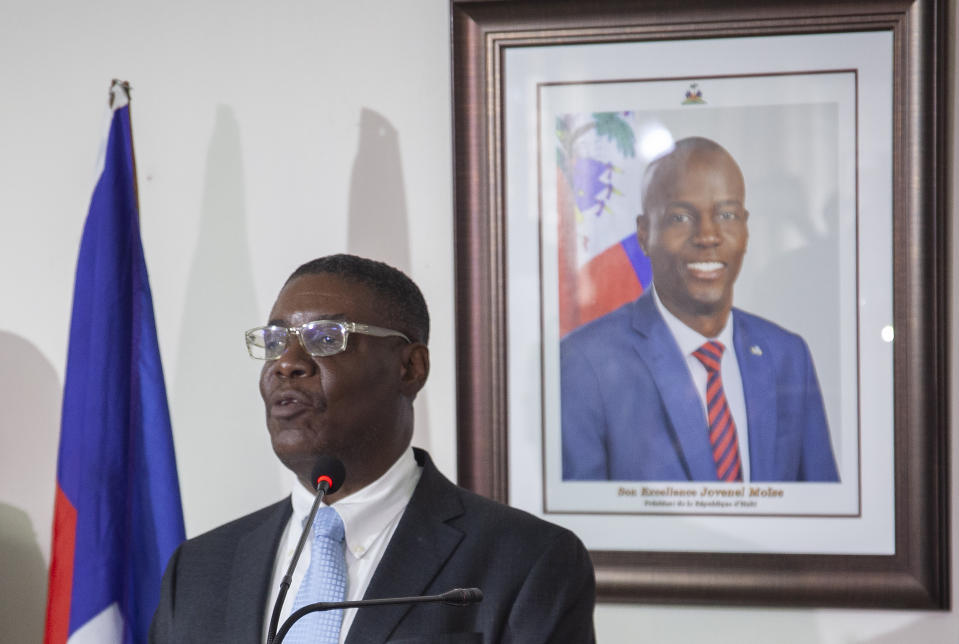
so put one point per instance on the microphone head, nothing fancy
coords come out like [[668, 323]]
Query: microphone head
[[463, 596], [328, 474]]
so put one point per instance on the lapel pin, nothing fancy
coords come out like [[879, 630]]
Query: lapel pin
[[755, 350]]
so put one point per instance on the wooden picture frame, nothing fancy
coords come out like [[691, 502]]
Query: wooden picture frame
[[915, 575]]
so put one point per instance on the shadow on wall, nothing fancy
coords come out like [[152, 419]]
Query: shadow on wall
[[30, 398], [24, 578], [378, 221], [215, 390], [378, 225]]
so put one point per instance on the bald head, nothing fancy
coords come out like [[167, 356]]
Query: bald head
[[663, 172], [693, 229]]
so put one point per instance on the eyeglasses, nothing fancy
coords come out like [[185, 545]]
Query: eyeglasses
[[320, 338]]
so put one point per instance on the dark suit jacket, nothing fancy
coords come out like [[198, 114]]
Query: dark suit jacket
[[630, 411], [536, 577]]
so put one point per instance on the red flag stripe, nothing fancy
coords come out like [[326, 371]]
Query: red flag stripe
[[61, 570]]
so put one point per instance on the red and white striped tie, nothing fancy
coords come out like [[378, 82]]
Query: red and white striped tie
[[722, 428]]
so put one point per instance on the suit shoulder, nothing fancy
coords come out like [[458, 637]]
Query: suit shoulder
[[482, 520], [229, 531], [766, 329], [613, 323], [502, 519]]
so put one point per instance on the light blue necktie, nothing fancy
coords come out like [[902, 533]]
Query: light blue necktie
[[325, 581]]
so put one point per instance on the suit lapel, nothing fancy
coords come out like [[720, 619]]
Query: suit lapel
[[420, 547], [248, 590], [682, 404], [756, 371]]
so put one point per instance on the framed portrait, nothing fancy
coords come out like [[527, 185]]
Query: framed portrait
[[588, 250]]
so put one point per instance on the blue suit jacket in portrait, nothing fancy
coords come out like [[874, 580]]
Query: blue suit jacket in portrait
[[630, 410]]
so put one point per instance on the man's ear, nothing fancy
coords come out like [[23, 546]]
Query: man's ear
[[415, 368], [746, 219], [642, 231]]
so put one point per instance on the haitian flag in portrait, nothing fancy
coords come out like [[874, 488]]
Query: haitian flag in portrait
[[601, 265]]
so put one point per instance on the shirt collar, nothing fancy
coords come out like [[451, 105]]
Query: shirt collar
[[367, 512], [688, 339]]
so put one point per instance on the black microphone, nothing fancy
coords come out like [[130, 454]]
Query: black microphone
[[455, 597], [326, 477], [328, 474], [463, 596]]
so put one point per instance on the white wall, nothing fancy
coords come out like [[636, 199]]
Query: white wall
[[266, 134]]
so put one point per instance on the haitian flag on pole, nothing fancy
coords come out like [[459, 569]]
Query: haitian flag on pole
[[117, 516]]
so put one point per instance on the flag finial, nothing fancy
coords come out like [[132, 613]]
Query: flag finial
[[119, 91]]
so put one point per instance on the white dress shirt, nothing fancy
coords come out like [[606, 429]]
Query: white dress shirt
[[690, 340], [370, 517]]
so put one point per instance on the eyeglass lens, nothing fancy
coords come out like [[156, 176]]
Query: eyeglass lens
[[323, 338], [319, 339]]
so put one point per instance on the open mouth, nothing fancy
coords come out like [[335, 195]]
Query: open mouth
[[289, 403], [705, 266], [705, 270], [282, 402]]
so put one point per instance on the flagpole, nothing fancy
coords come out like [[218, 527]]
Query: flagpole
[[116, 87]]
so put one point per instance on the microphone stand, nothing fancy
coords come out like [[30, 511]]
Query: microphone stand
[[456, 597], [288, 577]]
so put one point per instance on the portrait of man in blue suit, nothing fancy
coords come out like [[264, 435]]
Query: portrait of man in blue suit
[[679, 385]]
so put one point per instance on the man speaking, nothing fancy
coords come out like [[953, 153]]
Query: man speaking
[[344, 354], [679, 385]]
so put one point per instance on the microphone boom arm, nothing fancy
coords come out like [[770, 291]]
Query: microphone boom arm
[[456, 597]]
